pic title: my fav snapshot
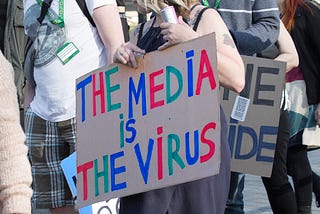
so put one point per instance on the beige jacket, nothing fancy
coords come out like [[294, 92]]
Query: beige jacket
[[15, 171]]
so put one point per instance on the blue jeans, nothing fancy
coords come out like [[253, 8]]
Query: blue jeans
[[235, 203]]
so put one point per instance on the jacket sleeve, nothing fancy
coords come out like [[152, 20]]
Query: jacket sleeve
[[264, 30], [313, 30]]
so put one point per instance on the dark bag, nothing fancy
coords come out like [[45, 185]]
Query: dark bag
[[30, 49], [124, 22]]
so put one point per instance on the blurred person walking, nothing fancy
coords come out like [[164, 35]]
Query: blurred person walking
[[302, 18], [280, 193]]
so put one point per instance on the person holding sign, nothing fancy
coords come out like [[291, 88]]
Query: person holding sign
[[206, 195], [68, 46]]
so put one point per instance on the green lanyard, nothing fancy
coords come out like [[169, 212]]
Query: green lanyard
[[206, 3], [57, 21]]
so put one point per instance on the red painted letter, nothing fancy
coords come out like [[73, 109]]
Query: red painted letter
[[159, 146], [84, 169], [210, 143], [154, 88], [204, 61], [96, 93]]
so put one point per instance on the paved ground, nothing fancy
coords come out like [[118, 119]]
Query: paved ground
[[255, 196]]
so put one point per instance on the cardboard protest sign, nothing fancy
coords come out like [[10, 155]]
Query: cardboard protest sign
[[151, 127], [68, 166], [252, 137]]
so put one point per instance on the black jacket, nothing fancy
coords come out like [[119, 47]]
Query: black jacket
[[305, 34]]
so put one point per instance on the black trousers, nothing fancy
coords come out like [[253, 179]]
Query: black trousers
[[280, 193], [299, 169]]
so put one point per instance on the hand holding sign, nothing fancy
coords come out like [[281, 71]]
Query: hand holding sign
[[126, 54]]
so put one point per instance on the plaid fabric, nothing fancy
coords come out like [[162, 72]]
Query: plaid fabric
[[49, 143]]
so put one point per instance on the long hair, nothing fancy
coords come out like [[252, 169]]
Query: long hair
[[289, 11]]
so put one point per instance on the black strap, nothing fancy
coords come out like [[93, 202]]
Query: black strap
[[83, 6], [195, 27], [140, 31], [194, 6], [44, 9]]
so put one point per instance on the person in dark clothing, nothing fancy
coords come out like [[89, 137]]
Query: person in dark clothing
[[280, 192], [302, 18]]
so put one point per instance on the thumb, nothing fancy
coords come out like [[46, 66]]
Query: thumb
[[181, 21]]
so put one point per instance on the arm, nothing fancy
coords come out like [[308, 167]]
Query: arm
[[15, 175], [28, 94], [264, 30], [230, 65], [107, 20], [288, 52]]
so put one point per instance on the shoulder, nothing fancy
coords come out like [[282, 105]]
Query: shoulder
[[209, 16], [204, 13], [210, 12]]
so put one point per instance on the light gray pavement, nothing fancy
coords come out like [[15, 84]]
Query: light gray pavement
[[255, 196]]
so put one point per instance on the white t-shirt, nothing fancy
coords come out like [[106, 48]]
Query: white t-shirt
[[55, 91]]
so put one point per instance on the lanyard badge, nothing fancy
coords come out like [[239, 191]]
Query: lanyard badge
[[66, 52], [68, 49]]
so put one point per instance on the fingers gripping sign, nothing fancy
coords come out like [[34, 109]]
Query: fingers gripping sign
[[125, 54]]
